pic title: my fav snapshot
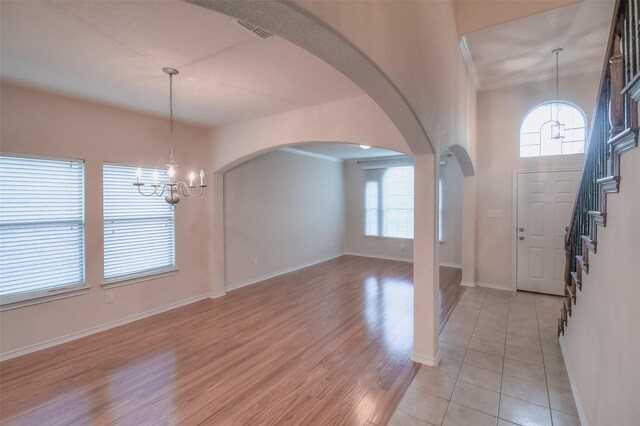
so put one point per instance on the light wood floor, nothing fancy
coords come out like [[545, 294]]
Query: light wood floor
[[329, 344]]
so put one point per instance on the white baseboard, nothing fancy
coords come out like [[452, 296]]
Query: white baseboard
[[574, 388], [375, 256], [216, 295], [451, 265], [467, 283], [425, 360], [496, 286], [277, 273], [97, 329]]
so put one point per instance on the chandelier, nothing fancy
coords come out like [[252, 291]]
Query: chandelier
[[173, 188], [557, 128]]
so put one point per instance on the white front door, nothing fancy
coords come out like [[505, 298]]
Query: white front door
[[545, 203]]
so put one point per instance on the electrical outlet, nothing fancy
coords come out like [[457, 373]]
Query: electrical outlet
[[108, 297], [255, 262]]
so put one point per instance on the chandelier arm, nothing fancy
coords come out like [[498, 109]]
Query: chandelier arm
[[187, 191], [183, 189], [151, 194], [199, 193]]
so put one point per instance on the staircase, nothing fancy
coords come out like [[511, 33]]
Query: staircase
[[613, 131]]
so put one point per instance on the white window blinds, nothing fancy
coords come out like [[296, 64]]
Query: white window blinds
[[372, 206], [41, 226], [138, 231], [389, 202]]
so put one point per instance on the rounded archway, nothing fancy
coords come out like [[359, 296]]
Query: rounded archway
[[296, 25], [351, 121]]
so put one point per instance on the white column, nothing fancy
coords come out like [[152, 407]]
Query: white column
[[469, 231], [425, 273], [216, 271]]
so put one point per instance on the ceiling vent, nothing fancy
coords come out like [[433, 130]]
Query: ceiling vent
[[256, 30]]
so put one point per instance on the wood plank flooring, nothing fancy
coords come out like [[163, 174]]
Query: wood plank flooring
[[326, 345]]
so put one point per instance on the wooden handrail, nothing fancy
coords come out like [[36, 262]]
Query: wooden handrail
[[613, 131], [601, 90]]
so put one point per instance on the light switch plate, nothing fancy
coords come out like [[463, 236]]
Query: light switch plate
[[494, 213]]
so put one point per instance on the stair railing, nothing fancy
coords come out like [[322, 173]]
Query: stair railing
[[613, 130]]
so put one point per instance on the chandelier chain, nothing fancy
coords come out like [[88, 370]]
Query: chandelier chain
[[557, 52], [171, 113]]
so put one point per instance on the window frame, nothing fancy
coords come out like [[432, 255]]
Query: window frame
[[60, 292], [146, 275], [551, 103], [380, 199]]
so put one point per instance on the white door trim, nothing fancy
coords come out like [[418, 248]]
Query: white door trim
[[514, 217]]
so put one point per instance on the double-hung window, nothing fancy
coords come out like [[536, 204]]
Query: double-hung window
[[139, 236], [41, 227], [389, 201]]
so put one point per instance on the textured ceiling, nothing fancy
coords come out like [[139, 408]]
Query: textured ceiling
[[114, 51], [520, 51], [474, 15]]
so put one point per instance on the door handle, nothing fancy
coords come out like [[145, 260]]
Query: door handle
[[521, 229], [521, 237]]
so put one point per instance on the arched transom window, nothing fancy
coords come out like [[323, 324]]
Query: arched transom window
[[536, 130]]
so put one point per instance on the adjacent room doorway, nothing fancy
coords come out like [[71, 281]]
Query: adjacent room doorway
[[544, 206]]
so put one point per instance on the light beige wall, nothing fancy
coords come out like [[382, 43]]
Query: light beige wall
[[415, 44], [602, 342], [44, 124], [282, 211], [500, 113], [354, 120], [451, 248], [355, 240]]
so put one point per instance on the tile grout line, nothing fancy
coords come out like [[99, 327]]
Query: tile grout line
[[504, 356], [546, 381], [464, 357]]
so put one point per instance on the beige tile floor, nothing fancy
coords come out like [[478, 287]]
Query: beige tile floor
[[501, 365]]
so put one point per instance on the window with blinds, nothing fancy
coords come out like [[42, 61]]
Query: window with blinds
[[139, 237], [389, 202], [41, 227], [372, 207]]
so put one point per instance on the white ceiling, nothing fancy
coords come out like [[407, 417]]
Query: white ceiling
[[114, 51], [520, 51], [344, 151]]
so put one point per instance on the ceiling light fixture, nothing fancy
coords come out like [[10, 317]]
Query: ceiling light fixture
[[365, 146], [557, 128], [173, 187]]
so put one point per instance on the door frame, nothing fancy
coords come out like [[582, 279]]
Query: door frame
[[514, 217]]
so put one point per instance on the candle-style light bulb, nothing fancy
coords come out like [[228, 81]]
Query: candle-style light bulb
[[138, 174], [192, 176], [171, 172], [155, 177], [201, 177]]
